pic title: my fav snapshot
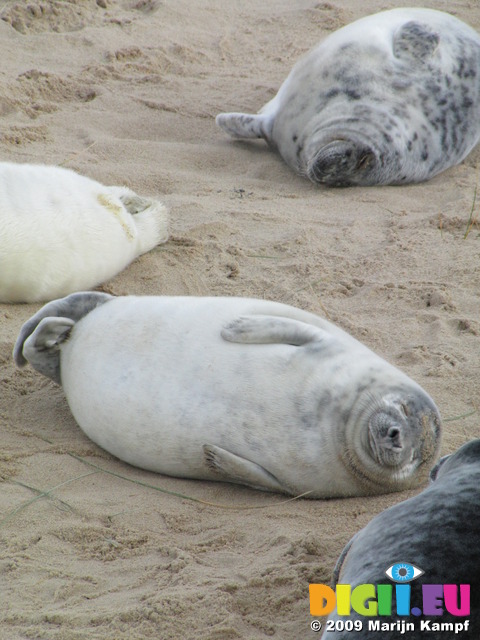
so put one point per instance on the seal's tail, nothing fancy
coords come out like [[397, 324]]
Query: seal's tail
[[73, 307]]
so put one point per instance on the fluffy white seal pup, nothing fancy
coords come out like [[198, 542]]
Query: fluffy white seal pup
[[389, 99], [234, 389], [62, 232], [431, 539]]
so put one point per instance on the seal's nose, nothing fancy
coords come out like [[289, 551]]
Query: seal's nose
[[340, 163], [394, 436]]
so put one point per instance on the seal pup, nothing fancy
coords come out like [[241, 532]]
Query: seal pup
[[392, 98], [62, 232], [437, 533], [234, 389]]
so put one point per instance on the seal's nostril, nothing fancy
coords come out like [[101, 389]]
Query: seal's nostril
[[394, 433]]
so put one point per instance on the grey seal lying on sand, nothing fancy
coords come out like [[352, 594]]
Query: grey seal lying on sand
[[234, 389], [389, 99]]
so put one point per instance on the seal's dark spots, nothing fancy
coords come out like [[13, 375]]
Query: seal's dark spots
[[353, 95], [333, 93]]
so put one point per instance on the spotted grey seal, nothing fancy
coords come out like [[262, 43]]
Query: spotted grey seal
[[235, 389], [392, 98], [62, 232], [437, 533]]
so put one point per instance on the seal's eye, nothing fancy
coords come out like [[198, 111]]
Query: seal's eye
[[364, 161], [405, 409], [403, 572]]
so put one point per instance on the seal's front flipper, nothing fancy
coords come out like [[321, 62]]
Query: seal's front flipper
[[232, 468], [244, 125], [415, 41], [273, 330]]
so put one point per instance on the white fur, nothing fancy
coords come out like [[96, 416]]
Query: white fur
[[62, 232], [233, 389]]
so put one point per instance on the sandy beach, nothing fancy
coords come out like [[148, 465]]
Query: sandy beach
[[126, 92]]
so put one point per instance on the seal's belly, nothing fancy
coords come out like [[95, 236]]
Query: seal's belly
[[175, 385]]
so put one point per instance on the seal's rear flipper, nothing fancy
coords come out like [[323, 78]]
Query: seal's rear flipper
[[231, 468], [67, 311], [245, 125], [42, 347]]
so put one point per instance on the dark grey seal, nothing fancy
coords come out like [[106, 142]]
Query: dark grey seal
[[392, 98], [438, 532]]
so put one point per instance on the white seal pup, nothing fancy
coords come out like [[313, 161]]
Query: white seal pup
[[392, 98], [234, 389], [62, 232], [431, 539]]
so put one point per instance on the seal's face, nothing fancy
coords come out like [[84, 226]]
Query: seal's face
[[341, 162], [403, 432], [391, 437]]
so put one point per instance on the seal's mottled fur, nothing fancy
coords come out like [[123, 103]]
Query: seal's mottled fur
[[392, 98]]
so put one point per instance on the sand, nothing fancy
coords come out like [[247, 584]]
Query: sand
[[126, 91]]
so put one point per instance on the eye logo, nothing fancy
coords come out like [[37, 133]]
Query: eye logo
[[403, 572]]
